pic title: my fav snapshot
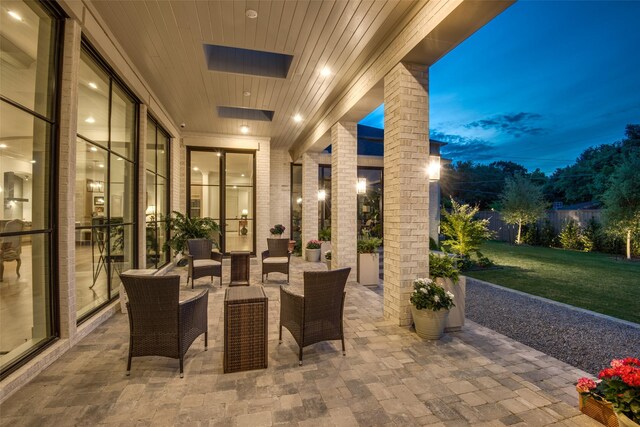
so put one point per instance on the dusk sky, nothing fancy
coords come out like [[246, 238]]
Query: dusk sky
[[537, 85]]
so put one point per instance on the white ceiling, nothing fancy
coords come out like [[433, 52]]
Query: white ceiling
[[165, 41]]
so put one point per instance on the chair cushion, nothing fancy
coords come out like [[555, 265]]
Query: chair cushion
[[276, 260], [205, 262]]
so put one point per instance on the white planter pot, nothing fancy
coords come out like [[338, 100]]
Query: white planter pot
[[429, 324], [369, 269], [313, 255], [455, 320], [326, 246]]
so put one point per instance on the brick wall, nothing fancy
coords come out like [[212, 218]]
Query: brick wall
[[406, 186], [309, 197], [280, 190]]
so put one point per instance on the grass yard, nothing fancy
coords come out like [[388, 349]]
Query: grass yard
[[594, 281]]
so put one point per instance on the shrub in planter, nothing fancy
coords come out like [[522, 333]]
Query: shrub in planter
[[369, 261], [277, 230], [184, 227], [327, 259], [430, 305], [444, 270], [619, 385], [313, 250]]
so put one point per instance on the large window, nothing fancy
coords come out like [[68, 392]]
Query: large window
[[29, 41], [156, 164], [222, 187], [296, 205], [105, 179], [324, 198]]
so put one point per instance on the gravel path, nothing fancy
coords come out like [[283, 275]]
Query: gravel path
[[580, 339]]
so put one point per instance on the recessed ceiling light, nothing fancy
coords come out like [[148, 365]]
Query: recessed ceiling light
[[297, 118], [246, 93], [234, 187], [92, 85], [33, 161], [90, 119], [244, 129], [3, 145], [242, 175], [218, 154], [196, 168], [251, 14], [100, 165], [15, 15], [325, 72], [94, 149]]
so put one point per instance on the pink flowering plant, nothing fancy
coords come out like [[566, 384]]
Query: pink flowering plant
[[314, 244], [428, 295], [619, 385]]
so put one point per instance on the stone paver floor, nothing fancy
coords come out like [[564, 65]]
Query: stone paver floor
[[388, 377]]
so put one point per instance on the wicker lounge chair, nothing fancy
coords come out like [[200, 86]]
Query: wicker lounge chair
[[317, 315], [276, 258], [203, 262], [159, 324]]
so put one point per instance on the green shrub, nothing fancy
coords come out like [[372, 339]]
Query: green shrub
[[463, 232], [369, 246], [548, 235], [443, 266], [570, 235]]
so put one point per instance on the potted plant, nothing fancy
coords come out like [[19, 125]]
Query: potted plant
[[619, 387], [430, 305], [325, 237], [327, 259], [183, 227], [443, 269], [277, 230], [369, 261], [313, 250]]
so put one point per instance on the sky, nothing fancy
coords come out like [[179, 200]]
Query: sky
[[538, 84]]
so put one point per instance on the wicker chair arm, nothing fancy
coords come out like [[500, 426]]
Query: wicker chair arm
[[265, 254], [194, 299], [216, 256], [291, 302], [190, 259]]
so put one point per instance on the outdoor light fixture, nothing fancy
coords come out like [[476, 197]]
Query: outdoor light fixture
[[362, 185], [90, 119], [244, 129], [299, 200], [92, 85], [433, 170], [297, 118], [322, 195], [15, 15], [325, 72]]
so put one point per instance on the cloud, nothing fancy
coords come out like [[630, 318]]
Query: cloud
[[464, 148], [516, 124]]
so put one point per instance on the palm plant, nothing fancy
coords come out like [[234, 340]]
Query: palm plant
[[184, 227]]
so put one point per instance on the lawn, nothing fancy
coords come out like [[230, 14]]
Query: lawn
[[595, 281]]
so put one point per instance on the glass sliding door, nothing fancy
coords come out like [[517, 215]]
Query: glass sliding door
[[28, 71], [239, 229], [105, 183], [221, 187]]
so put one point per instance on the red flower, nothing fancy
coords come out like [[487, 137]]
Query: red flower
[[585, 385]]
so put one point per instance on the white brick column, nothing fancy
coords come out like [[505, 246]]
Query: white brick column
[[281, 190], [181, 158], [309, 199], [141, 217], [344, 202], [263, 190], [406, 186], [67, 178]]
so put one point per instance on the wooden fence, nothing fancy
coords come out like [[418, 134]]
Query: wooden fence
[[507, 232]]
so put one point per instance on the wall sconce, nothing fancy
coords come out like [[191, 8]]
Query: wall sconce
[[322, 195], [362, 185], [433, 170]]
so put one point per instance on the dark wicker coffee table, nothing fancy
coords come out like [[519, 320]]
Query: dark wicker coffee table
[[245, 328], [240, 262]]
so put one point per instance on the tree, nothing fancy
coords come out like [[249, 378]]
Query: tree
[[463, 233], [522, 202], [622, 198]]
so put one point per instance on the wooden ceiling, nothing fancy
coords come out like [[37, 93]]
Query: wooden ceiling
[[165, 39]]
